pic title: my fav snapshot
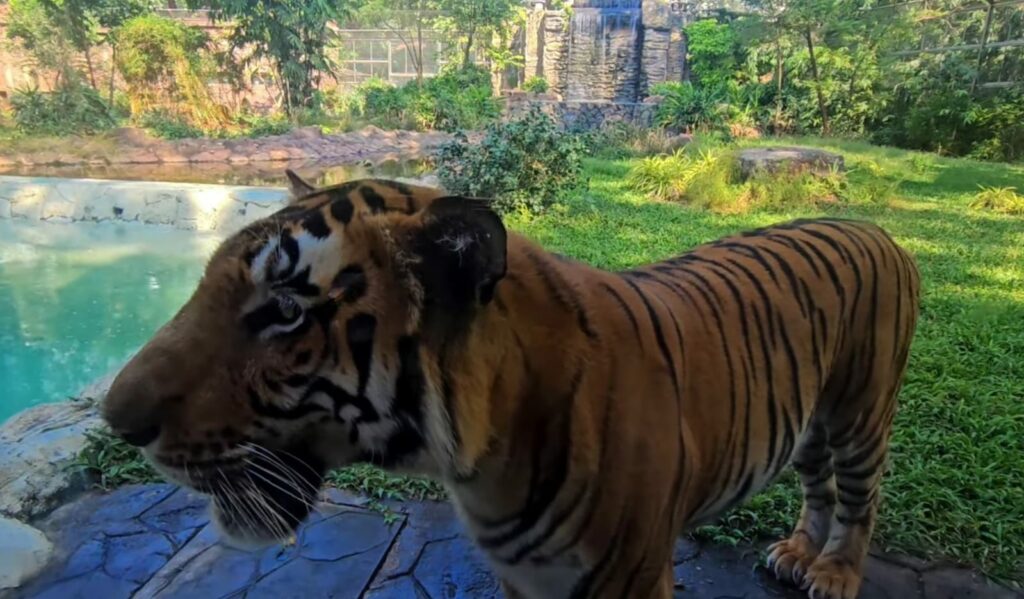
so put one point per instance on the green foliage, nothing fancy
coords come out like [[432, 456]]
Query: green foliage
[[378, 484], [690, 108], [712, 50], [111, 462], [999, 199], [623, 140], [706, 176], [293, 36], [535, 85], [161, 60], [73, 108], [476, 23], [45, 40], [458, 98], [525, 164], [168, 125]]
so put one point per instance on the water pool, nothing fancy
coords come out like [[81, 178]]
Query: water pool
[[76, 300]]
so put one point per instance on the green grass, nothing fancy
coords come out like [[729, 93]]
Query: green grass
[[955, 486]]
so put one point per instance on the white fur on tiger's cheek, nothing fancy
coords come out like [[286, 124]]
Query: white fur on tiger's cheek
[[261, 262]]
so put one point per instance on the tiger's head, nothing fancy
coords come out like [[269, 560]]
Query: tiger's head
[[312, 342]]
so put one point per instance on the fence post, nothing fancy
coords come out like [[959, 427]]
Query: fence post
[[984, 42]]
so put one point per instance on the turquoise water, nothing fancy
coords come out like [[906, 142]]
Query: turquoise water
[[76, 300]]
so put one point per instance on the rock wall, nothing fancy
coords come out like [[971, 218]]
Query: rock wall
[[607, 50], [583, 115], [191, 206]]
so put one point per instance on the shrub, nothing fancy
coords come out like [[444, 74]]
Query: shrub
[[168, 125], [712, 49], [707, 177], [535, 85], [73, 108], [524, 164], [999, 199], [111, 462], [624, 140], [163, 62], [689, 108], [263, 125], [455, 99]]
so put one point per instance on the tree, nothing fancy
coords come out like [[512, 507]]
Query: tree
[[293, 36], [405, 19], [473, 22]]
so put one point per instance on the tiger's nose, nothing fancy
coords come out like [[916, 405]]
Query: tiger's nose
[[135, 406]]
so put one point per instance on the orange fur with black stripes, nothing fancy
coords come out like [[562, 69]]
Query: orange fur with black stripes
[[581, 419]]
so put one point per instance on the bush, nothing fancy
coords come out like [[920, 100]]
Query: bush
[[999, 199], [712, 49], [73, 108], [168, 125], [705, 175], [625, 140], [165, 65], [455, 99], [525, 164], [536, 85], [688, 108]]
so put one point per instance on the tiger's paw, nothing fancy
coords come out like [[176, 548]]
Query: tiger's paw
[[832, 577], [790, 558]]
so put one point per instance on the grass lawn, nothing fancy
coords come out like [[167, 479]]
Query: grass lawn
[[955, 486]]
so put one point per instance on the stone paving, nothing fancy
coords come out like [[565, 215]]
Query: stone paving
[[156, 541]]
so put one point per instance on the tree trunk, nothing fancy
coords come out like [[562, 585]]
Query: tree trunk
[[825, 128], [113, 73], [469, 47], [92, 72], [419, 49], [779, 73]]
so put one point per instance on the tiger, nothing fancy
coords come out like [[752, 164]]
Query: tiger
[[580, 419]]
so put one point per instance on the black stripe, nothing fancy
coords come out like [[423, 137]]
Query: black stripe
[[547, 479], [625, 308], [563, 292], [316, 225], [352, 281], [374, 201], [659, 336], [359, 331], [341, 210], [269, 410]]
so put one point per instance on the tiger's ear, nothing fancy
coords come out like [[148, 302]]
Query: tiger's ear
[[296, 185], [462, 246]]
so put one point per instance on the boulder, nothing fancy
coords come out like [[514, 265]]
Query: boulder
[[25, 552], [788, 159], [37, 449]]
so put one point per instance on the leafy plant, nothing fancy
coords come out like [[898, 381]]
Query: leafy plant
[[689, 108], [458, 98], [111, 462], [168, 125], [713, 51], [73, 108], [524, 164], [293, 36], [161, 60], [535, 85], [999, 199]]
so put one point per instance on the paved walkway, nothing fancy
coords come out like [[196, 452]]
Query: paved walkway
[[156, 541]]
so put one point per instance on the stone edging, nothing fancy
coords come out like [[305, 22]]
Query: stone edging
[[189, 206]]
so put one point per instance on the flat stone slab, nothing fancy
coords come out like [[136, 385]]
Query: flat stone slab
[[155, 541], [788, 159]]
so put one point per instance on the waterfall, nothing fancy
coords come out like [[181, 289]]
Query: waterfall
[[602, 50]]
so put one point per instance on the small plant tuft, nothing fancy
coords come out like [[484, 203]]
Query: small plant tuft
[[1004, 200], [535, 85], [111, 462]]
